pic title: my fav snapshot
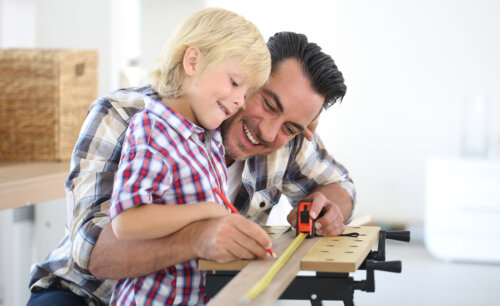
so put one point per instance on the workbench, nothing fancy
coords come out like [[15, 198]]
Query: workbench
[[330, 258], [26, 183]]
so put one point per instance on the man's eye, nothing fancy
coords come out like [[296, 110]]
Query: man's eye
[[290, 131], [268, 105]]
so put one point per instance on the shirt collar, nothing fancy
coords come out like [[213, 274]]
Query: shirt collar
[[179, 123]]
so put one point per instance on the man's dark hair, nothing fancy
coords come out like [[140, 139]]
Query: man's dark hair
[[319, 67]]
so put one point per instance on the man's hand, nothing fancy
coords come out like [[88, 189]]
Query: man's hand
[[231, 237], [331, 223]]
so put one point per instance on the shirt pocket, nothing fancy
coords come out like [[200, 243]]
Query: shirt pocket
[[264, 200]]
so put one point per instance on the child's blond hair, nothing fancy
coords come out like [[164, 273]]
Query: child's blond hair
[[219, 34]]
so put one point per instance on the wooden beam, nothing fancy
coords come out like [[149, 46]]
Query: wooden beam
[[232, 293]]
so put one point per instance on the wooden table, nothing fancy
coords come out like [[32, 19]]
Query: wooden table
[[27, 183], [319, 254]]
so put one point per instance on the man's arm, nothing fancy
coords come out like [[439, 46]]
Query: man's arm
[[220, 239]]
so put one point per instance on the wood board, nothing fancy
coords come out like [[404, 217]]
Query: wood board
[[341, 254], [252, 271], [330, 254], [232, 293]]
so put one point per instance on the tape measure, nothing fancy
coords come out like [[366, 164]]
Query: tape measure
[[305, 224]]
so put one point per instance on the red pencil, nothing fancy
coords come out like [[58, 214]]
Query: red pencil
[[234, 210]]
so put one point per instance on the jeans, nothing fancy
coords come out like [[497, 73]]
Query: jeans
[[55, 297]]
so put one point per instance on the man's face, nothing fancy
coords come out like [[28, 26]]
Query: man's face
[[281, 109]]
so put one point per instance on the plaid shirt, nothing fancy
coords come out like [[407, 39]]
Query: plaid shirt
[[166, 160], [293, 170]]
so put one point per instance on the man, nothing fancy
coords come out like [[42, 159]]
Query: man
[[266, 157]]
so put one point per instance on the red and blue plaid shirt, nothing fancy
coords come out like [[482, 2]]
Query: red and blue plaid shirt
[[166, 160]]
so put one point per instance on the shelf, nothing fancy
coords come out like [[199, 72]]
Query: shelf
[[27, 183]]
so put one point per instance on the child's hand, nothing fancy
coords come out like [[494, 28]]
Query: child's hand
[[215, 210], [230, 238]]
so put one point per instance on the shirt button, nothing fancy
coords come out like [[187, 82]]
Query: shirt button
[[262, 204]]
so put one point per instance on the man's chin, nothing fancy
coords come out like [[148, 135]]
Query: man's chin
[[236, 154]]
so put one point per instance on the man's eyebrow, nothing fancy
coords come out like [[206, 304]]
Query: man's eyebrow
[[298, 126], [275, 98]]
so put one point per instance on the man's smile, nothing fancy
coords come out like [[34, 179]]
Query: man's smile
[[249, 135]]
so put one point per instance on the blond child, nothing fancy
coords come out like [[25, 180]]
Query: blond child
[[173, 154]]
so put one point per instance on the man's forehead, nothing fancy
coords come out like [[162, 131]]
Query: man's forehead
[[293, 93]]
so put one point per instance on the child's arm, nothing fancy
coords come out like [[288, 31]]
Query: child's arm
[[149, 221]]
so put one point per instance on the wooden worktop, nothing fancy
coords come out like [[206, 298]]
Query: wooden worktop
[[26, 183], [320, 254]]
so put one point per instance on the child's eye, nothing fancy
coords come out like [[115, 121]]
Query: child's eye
[[234, 83]]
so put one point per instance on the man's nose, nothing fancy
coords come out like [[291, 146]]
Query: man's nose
[[269, 129]]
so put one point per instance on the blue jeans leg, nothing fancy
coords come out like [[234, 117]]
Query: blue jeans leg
[[55, 297]]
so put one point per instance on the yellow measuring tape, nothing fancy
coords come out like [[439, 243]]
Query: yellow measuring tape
[[262, 284]]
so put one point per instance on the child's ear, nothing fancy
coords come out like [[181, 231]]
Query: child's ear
[[192, 60]]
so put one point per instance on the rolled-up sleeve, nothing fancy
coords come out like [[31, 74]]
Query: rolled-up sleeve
[[90, 183], [310, 166]]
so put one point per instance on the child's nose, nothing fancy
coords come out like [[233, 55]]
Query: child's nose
[[239, 98]]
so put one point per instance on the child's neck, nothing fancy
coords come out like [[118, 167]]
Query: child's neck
[[181, 106]]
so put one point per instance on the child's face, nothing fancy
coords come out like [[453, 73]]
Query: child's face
[[217, 93]]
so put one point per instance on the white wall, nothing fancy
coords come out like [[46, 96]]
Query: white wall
[[158, 20], [408, 66], [81, 25], [17, 23]]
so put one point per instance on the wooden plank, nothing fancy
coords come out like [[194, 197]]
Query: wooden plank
[[232, 293], [26, 183], [273, 231], [341, 254]]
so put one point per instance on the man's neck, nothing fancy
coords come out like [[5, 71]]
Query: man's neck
[[229, 160]]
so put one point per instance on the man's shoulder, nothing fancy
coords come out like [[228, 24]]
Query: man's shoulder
[[123, 102]]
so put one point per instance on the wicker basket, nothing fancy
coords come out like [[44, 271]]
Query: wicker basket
[[44, 97]]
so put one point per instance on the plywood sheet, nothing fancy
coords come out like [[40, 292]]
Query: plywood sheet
[[341, 254]]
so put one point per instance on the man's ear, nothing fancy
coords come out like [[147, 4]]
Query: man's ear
[[192, 60]]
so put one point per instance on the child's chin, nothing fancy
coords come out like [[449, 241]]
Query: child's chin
[[212, 125]]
